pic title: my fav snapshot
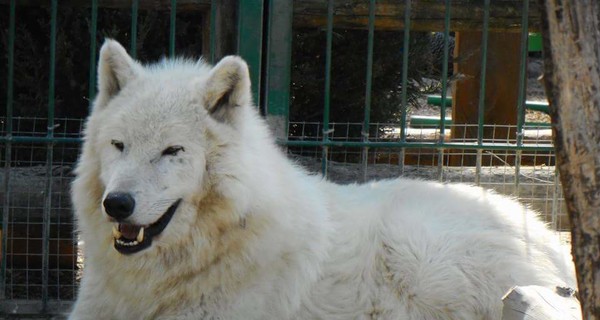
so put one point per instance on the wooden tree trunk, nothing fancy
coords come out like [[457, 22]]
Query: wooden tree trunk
[[572, 73]]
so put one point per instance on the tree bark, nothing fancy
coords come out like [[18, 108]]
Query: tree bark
[[572, 73]]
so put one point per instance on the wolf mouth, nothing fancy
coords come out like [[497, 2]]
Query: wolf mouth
[[131, 238]]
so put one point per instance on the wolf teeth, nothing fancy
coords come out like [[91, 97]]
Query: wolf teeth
[[116, 233], [140, 235], [127, 244]]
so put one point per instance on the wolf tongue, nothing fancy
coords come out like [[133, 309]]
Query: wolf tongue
[[129, 231]]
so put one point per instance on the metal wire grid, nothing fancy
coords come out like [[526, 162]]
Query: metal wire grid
[[29, 238], [535, 182]]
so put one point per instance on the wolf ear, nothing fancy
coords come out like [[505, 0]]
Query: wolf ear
[[115, 69], [227, 87]]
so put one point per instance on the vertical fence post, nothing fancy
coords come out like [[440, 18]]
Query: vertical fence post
[[212, 31], [326, 130], [522, 92], [369, 81], [93, 28], [444, 90], [278, 70], [49, 157], [8, 145], [172, 25], [250, 35], [134, 24], [404, 105], [481, 105]]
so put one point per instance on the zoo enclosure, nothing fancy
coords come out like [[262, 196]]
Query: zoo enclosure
[[486, 142]]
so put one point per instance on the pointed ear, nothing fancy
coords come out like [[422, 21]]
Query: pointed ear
[[227, 87], [115, 69]]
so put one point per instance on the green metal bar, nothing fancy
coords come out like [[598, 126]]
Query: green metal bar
[[522, 72], [11, 68], [371, 144], [403, 106], [522, 93], [531, 105], [369, 80], [428, 145], [172, 28], [444, 88], [43, 140], [434, 122], [405, 53], [481, 107], [250, 36], [535, 42], [8, 146], [213, 32], [368, 87], [445, 70], [484, 49], [93, 29], [49, 157], [134, 24], [278, 71], [326, 129], [437, 100], [538, 106]]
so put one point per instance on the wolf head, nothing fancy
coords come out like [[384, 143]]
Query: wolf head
[[152, 137]]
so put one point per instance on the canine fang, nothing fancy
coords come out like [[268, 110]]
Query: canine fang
[[116, 233], [140, 235]]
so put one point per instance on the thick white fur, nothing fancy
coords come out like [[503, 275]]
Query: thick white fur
[[257, 238]]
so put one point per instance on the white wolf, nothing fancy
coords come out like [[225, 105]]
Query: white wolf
[[189, 210]]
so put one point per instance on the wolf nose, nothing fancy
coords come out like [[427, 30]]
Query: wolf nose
[[119, 205]]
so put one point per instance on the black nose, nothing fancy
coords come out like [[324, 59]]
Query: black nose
[[119, 205]]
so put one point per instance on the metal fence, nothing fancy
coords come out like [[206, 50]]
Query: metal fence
[[41, 256]]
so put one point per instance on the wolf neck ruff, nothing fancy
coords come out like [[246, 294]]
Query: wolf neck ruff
[[131, 238]]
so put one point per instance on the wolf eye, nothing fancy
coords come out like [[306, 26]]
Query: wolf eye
[[172, 150], [118, 144]]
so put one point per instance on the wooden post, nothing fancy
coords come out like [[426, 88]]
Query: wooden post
[[572, 74], [501, 91]]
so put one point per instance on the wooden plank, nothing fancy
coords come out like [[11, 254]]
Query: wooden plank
[[426, 14], [501, 92], [182, 5]]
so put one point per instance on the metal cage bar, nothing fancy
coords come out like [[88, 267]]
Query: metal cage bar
[[326, 105], [522, 93], [134, 25], [93, 32], [172, 26], [369, 83], [250, 35], [8, 145], [445, 60], [213, 33], [404, 103], [481, 104], [49, 156]]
